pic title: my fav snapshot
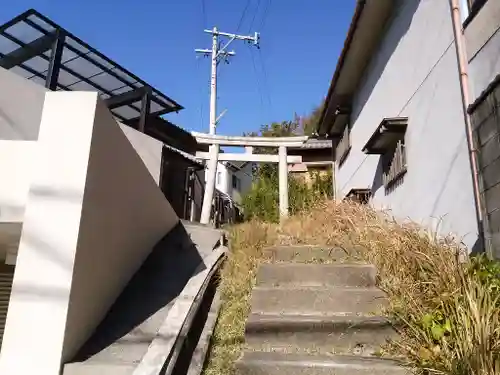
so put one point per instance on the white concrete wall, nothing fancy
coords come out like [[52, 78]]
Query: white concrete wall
[[415, 74], [16, 160], [482, 36], [148, 148], [21, 103], [92, 216]]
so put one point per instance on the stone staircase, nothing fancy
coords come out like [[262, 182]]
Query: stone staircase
[[315, 312]]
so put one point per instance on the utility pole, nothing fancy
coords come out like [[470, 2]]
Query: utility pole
[[218, 53]]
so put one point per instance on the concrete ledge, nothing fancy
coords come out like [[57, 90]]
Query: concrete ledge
[[163, 351]]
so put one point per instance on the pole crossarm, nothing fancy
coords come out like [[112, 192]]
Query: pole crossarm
[[255, 158], [226, 140]]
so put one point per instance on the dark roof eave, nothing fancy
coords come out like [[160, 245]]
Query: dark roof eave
[[347, 44]]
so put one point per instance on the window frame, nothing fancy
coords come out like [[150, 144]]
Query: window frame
[[394, 165], [469, 10]]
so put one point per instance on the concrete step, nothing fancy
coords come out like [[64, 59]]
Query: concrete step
[[260, 363], [310, 254], [344, 274], [317, 300], [359, 335], [99, 368]]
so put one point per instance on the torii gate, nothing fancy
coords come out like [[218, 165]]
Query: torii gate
[[248, 142]]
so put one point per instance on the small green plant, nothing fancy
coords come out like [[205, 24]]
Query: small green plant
[[486, 272]]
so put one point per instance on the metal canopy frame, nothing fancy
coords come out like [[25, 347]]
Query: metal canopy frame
[[40, 50]]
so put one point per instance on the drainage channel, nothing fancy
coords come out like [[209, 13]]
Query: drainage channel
[[189, 357]]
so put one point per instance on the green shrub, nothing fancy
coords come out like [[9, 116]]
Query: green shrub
[[262, 201]]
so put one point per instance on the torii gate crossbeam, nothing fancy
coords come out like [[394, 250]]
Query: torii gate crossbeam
[[220, 140]]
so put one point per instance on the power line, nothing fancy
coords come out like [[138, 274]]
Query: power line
[[264, 14], [254, 15], [201, 92], [243, 15], [204, 12], [266, 86], [259, 89]]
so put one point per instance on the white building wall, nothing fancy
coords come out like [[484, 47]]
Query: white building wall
[[245, 177], [415, 74], [223, 179], [93, 214]]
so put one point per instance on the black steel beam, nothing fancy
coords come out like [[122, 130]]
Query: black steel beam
[[70, 71], [55, 61], [145, 111], [84, 55], [16, 20], [166, 110], [30, 50], [37, 74], [126, 98], [24, 17], [177, 106]]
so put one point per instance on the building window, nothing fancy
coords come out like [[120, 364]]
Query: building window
[[388, 141], [394, 165], [464, 9], [469, 9], [343, 146], [236, 182]]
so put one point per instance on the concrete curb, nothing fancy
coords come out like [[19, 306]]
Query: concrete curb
[[201, 350], [163, 351]]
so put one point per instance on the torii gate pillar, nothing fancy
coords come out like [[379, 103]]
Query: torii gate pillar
[[283, 182]]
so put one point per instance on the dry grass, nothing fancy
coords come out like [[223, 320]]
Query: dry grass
[[450, 317]]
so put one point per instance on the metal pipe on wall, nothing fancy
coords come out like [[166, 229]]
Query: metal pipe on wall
[[464, 88]]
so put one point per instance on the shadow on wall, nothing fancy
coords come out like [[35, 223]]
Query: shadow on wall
[[404, 13], [161, 278], [377, 178], [479, 246]]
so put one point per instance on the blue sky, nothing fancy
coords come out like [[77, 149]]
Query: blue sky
[[300, 45]]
